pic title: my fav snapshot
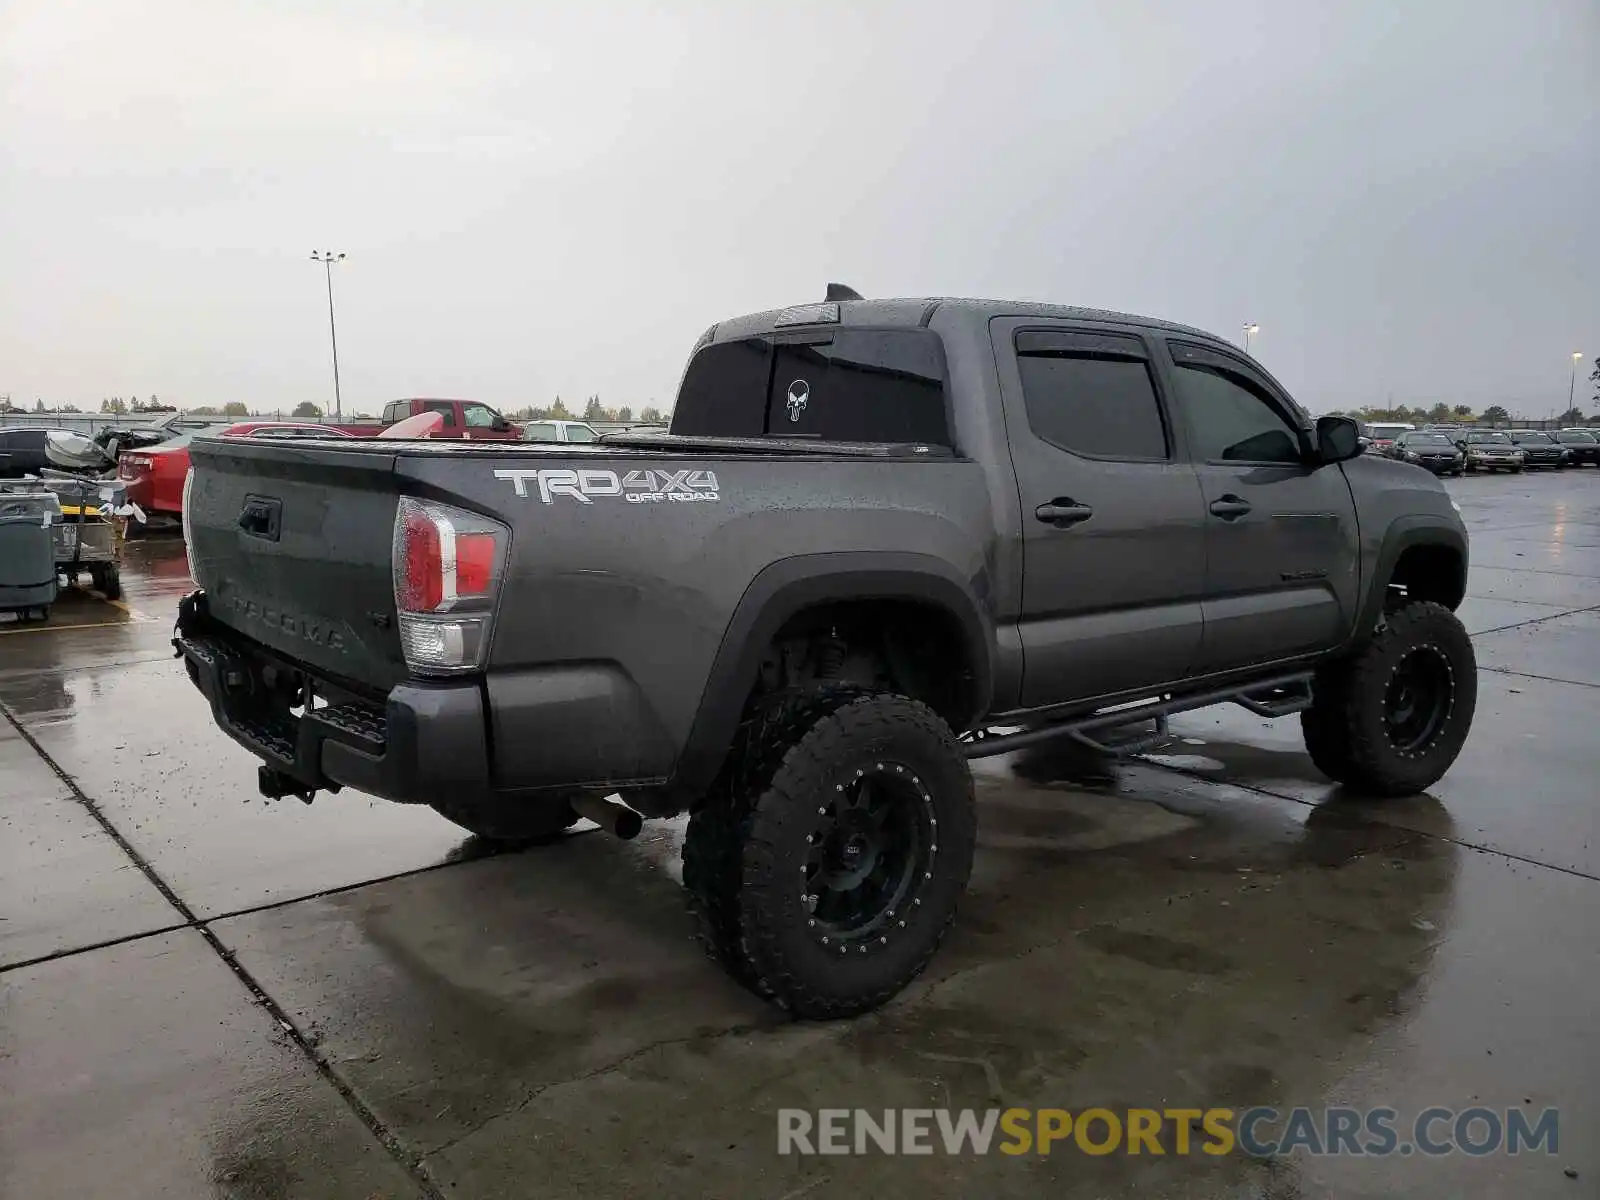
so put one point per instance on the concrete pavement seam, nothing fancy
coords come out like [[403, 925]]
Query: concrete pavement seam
[[91, 947], [1541, 678], [1571, 612], [374, 1125], [594, 1073]]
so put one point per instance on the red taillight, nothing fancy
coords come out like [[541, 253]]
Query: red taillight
[[476, 556], [447, 567], [420, 574]]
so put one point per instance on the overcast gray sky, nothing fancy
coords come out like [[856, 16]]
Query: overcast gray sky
[[543, 198]]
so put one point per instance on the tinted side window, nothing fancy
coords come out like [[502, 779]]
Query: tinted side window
[[724, 390], [445, 407], [850, 385], [863, 385], [1231, 419], [539, 431], [391, 412], [1095, 399]]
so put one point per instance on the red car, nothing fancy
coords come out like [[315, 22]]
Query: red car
[[155, 476]]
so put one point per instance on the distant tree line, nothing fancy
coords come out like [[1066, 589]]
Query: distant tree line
[[592, 411], [119, 406], [1460, 414]]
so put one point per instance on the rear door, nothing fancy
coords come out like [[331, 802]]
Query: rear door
[[1113, 541], [447, 409], [1282, 574]]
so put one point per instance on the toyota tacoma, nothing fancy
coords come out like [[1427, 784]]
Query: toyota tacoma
[[880, 538]]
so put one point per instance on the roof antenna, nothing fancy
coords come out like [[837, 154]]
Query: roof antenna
[[838, 291]]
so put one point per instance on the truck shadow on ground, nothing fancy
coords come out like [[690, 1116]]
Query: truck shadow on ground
[[1173, 940]]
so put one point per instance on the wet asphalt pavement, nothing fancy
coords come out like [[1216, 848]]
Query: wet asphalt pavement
[[203, 994]]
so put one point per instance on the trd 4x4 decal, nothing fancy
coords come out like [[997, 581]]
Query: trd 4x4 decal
[[639, 487]]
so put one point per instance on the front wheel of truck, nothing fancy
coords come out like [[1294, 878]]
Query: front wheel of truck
[[827, 865], [1391, 720], [510, 823]]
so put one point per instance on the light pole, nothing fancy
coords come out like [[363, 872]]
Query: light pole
[[1250, 327], [1572, 379], [327, 258]]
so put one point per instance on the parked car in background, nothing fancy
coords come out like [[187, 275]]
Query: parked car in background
[[468, 419], [155, 476], [1491, 451], [22, 451], [1435, 452], [1580, 445], [1382, 436], [283, 429], [1539, 449], [558, 431]]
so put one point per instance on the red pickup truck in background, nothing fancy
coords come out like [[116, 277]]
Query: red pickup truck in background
[[462, 419]]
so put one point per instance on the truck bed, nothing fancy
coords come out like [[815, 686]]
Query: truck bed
[[627, 561]]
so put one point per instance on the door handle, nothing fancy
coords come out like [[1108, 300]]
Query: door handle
[[1062, 512], [1229, 507]]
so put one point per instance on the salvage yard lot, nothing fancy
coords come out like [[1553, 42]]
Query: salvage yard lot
[[202, 993]]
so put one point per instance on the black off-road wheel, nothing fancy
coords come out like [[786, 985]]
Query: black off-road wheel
[[827, 864], [1391, 720], [509, 823]]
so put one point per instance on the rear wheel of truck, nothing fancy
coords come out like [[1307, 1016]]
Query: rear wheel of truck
[[827, 865], [1391, 720], [511, 823]]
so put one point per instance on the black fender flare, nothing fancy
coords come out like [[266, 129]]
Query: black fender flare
[[791, 585], [1402, 534]]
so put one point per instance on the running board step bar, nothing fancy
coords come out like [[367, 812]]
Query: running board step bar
[[1274, 697]]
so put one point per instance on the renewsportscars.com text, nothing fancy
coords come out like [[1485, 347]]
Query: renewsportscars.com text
[[1259, 1132]]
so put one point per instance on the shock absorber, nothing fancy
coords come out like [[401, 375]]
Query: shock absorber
[[830, 656]]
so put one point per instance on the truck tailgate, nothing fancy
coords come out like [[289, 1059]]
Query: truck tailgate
[[292, 544]]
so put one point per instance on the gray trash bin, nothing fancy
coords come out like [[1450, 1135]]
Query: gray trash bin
[[28, 553]]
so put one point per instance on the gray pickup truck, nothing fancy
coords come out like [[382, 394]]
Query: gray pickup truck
[[880, 539]]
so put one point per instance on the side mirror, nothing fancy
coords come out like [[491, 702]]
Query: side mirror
[[500, 424], [1338, 438]]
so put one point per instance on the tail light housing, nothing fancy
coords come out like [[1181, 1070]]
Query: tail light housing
[[188, 530], [448, 564]]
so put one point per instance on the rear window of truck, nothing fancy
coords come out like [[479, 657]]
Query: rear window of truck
[[846, 385]]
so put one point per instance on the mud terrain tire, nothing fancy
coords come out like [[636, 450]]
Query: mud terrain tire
[[1391, 720], [827, 864]]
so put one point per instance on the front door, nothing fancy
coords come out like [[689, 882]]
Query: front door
[[479, 421], [1282, 574], [1113, 535]]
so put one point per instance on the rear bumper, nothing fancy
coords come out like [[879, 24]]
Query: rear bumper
[[420, 740], [557, 729]]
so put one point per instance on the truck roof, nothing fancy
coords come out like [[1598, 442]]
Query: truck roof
[[919, 311]]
